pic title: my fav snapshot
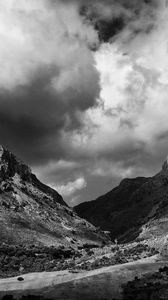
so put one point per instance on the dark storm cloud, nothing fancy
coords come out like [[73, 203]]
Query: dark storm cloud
[[34, 117], [111, 17], [53, 79]]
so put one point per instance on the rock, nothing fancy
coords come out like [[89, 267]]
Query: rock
[[20, 278]]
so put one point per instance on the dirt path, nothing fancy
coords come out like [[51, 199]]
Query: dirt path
[[104, 283]]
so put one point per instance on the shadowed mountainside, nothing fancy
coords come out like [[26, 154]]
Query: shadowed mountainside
[[137, 207]]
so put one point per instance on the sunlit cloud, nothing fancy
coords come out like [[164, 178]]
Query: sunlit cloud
[[71, 187]]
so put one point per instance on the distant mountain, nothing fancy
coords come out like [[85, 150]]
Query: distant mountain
[[33, 213], [136, 208]]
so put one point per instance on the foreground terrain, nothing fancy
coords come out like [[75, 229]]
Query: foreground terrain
[[17, 260], [103, 283], [87, 273]]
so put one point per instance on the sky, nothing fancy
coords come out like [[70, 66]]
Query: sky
[[84, 90]]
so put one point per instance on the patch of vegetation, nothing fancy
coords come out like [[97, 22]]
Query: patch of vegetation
[[119, 254], [149, 287], [139, 251], [16, 260]]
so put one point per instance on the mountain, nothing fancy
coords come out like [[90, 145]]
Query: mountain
[[33, 213], [137, 208]]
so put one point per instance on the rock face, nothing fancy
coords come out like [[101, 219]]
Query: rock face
[[136, 208], [11, 167], [33, 213]]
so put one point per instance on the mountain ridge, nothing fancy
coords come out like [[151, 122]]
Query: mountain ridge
[[33, 213], [128, 207]]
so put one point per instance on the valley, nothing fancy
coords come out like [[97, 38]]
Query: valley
[[50, 251]]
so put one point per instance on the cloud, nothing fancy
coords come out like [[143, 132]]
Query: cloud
[[71, 187], [48, 76], [110, 18], [38, 35], [133, 95], [83, 90], [126, 134]]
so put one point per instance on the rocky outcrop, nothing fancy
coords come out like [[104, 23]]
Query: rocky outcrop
[[10, 166]]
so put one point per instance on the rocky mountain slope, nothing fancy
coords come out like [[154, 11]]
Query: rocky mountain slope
[[33, 213], [136, 208]]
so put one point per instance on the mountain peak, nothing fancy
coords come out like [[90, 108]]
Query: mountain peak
[[10, 165], [165, 165], [2, 150]]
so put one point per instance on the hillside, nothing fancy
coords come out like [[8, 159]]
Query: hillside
[[136, 208], [32, 213]]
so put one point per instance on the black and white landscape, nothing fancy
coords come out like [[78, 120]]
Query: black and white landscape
[[84, 141]]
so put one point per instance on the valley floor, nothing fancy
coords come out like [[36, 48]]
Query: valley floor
[[103, 283]]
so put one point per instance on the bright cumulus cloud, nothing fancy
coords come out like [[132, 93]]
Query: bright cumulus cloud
[[71, 187], [134, 84], [39, 35], [133, 104]]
